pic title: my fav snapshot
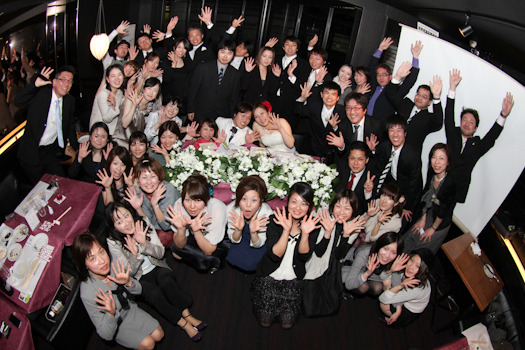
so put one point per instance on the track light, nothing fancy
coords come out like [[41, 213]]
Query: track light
[[466, 30]]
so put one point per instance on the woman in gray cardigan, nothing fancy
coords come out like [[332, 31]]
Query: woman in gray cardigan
[[104, 295], [132, 241]]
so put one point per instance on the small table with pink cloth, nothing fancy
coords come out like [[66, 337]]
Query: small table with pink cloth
[[66, 212]]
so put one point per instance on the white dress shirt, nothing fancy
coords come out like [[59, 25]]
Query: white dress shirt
[[50, 133]]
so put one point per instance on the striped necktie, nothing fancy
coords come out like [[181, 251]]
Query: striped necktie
[[385, 172]]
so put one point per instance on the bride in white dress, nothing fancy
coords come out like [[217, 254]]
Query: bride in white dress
[[276, 133]]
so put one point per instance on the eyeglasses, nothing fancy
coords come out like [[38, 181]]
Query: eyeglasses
[[356, 108], [65, 81]]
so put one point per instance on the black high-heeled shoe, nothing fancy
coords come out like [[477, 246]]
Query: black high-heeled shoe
[[196, 337], [198, 327]]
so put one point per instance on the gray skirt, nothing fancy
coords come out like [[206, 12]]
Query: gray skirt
[[413, 241]]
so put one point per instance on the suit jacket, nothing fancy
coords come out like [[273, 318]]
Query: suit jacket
[[208, 99], [422, 124], [253, 88], [372, 126], [383, 108], [284, 104], [317, 131], [408, 172], [463, 162], [38, 100], [344, 177]]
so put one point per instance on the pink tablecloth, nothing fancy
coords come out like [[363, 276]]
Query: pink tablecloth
[[19, 338]]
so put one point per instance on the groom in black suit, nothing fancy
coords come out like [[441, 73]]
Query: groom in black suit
[[50, 122], [215, 86]]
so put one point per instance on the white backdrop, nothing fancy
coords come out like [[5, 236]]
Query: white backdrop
[[483, 88]]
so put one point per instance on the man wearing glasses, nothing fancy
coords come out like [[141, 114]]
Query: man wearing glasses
[[379, 106], [50, 122]]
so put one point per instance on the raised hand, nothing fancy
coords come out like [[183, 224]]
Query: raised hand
[[407, 214], [156, 73], [122, 27], [160, 149], [146, 29], [105, 180], [106, 302], [320, 74], [403, 71], [416, 48], [313, 41], [334, 140], [158, 194], [133, 52], [237, 22], [372, 142], [369, 183], [349, 227], [345, 84], [205, 15], [385, 44], [131, 245], [400, 263], [274, 124], [283, 220], [291, 67], [46, 72], [128, 178], [249, 64], [334, 120], [140, 232], [236, 220], [176, 218], [158, 35], [326, 220], [105, 152], [410, 282], [83, 151], [192, 129], [455, 79], [276, 70], [271, 42], [384, 217], [372, 264], [172, 24], [251, 137], [200, 221], [134, 97], [221, 137], [435, 86], [364, 89], [120, 272], [310, 223], [111, 100], [373, 208], [508, 103], [258, 223], [133, 199], [305, 91]]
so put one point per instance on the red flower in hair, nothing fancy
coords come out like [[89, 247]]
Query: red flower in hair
[[268, 105]]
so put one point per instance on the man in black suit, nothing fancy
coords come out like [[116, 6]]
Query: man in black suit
[[398, 162], [295, 71], [379, 106], [50, 122], [215, 86], [357, 126], [420, 121], [467, 149], [321, 111], [356, 174]]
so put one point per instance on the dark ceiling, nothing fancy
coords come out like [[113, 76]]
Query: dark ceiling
[[499, 26]]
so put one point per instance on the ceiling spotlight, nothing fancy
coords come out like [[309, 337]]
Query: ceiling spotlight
[[466, 30]]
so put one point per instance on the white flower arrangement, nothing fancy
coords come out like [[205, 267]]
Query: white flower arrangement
[[279, 178]]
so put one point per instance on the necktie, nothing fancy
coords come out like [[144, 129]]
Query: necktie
[[464, 143], [58, 115], [385, 172], [221, 75], [351, 182], [373, 99], [354, 135], [234, 131], [412, 116]]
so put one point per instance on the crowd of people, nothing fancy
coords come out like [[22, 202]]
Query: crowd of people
[[378, 237]]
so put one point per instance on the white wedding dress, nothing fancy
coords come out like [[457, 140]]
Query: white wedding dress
[[274, 142]]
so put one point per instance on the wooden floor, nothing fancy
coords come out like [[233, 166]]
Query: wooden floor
[[223, 300]]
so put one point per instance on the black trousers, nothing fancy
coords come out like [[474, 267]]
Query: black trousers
[[161, 290], [194, 256], [49, 163]]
